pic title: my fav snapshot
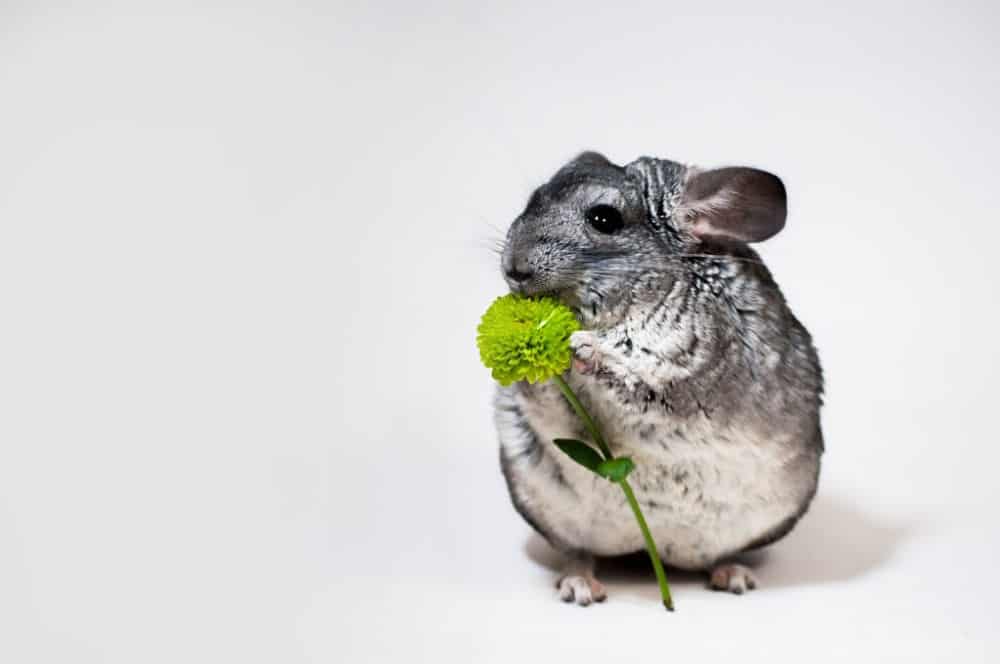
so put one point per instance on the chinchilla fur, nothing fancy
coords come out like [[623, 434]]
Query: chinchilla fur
[[690, 360]]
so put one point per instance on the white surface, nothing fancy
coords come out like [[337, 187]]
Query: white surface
[[243, 253]]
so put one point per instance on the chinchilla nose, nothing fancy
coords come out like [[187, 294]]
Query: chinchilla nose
[[515, 268], [517, 273]]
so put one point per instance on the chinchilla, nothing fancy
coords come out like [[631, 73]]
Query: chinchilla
[[689, 358]]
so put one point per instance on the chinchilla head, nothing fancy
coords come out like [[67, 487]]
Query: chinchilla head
[[595, 228]]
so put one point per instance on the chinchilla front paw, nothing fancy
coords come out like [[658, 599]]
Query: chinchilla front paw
[[585, 355]]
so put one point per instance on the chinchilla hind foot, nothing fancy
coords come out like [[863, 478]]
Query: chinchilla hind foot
[[737, 579], [578, 583]]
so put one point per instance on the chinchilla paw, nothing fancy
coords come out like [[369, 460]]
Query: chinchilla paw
[[736, 579], [583, 590], [585, 355]]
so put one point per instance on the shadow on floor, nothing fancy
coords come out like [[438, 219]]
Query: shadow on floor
[[835, 541]]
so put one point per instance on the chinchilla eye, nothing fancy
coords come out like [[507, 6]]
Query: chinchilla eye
[[605, 219]]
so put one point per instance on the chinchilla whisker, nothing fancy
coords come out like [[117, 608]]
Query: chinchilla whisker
[[496, 230], [493, 246], [495, 241]]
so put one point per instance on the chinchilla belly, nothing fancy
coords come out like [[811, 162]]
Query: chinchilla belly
[[707, 492]]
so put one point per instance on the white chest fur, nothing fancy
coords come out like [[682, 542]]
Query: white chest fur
[[706, 492]]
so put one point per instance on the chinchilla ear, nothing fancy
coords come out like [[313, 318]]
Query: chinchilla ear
[[734, 204]]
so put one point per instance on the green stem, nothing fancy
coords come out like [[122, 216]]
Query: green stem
[[595, 432], [584, 415], [654, 557]]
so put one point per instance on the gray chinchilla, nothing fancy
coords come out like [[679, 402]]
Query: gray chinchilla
[[690, 359]]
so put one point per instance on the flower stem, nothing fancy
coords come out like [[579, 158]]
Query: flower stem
[[584, 415], [654, 557], [595, 432]]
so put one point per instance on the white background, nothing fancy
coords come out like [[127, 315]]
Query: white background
[[243, 252]]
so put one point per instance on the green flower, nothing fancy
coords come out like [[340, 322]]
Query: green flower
[[522, 338]]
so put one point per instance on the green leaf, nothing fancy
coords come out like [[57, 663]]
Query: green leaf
[[615, 469], [581, 452]]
